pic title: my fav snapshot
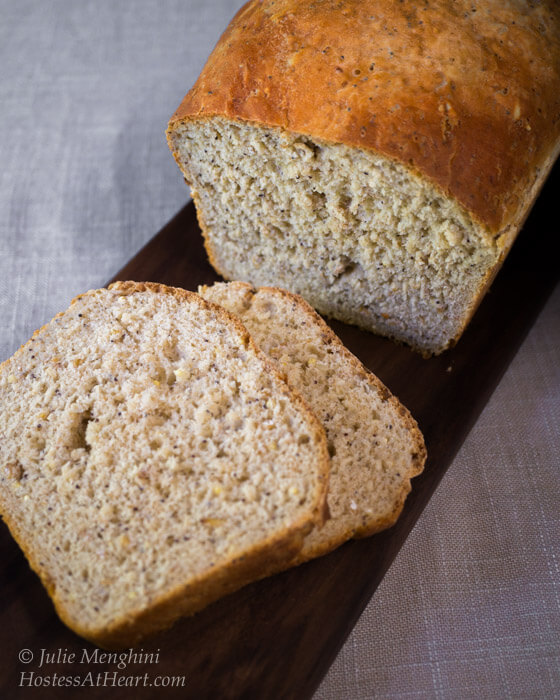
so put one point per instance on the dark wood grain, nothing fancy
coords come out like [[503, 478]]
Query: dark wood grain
[[277, 638]]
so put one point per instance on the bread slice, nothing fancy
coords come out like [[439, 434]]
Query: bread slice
[[374, 443], [152, 459]]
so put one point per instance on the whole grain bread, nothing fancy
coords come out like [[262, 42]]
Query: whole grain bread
[[374, 443], [152, 459], [377, 157]]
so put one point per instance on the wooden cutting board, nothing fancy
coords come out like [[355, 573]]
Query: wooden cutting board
[[277, 638]]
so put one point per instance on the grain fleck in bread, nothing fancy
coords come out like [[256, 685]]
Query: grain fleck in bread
[[152, 459], [378, 157], [375, 444]]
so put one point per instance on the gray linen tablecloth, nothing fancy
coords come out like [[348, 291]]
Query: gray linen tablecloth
[[471, 606]]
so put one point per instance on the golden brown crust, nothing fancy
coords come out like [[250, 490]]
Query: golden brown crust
[[466, 95], [220, 580]]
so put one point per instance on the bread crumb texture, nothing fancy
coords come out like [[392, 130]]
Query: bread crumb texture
[[144, 445], [374, 443], [358, 235]]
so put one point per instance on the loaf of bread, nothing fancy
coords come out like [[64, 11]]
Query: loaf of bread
[[377, 157], [374, 443], [152, 459]]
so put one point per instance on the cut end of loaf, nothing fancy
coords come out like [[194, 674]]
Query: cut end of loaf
[[358, 235], [151, 459]]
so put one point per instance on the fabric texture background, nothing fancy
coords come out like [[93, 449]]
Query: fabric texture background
[[471, 606]]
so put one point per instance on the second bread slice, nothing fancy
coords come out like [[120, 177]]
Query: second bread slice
[[375, 444]]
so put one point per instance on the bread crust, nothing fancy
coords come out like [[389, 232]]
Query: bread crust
[[465, 96], [228, 576]]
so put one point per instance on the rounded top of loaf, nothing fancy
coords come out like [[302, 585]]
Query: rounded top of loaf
[[466, 94]]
